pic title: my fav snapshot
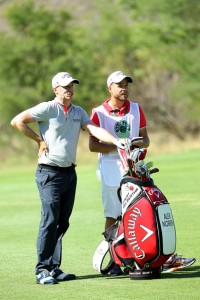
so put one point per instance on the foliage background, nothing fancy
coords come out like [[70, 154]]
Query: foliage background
[[156, 42]]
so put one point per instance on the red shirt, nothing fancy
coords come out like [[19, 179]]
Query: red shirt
[[119, 112]]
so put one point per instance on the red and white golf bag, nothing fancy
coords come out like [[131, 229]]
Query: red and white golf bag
[[145, 237]]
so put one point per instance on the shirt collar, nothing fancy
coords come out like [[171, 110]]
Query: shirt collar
[[64, 106], [122, 111]]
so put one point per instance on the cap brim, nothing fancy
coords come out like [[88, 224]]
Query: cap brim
[[76, 81], [130, 80], [69, 81]]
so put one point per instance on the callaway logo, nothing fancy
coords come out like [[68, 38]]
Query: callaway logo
[[133, 242], [148, 231], [66, 75], [120, 74], [122, 129], [155, 191]]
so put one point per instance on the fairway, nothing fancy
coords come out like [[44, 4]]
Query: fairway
[[178, 179]]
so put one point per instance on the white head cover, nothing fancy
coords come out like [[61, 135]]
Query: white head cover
[[99, 255]]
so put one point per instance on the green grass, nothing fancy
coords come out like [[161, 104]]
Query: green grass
[[20, 214]]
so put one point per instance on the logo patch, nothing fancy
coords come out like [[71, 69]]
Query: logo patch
[[122, 129]]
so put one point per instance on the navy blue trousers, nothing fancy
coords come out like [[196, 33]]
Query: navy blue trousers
[[57, 190]]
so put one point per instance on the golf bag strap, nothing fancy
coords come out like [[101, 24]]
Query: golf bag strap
[[137, 181], [119, 194], [108, 268]]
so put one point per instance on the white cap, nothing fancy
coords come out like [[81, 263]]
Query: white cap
[[117, 77], [63, 79]]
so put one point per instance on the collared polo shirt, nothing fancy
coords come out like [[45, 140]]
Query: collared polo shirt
[[118, 112], [59, 130]]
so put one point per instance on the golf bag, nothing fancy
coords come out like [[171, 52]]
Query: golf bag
[[145, 237]]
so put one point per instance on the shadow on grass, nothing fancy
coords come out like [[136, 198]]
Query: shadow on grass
[[191, 272], [101, 276]]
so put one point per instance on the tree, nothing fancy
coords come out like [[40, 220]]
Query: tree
[[157, 42], [165, 42], [41, 43]]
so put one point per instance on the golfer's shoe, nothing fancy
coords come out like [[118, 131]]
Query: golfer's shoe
[[116, 271], [59, 275], [44, 277], [177, 262]]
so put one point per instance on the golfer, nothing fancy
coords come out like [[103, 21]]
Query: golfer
[[59, 123]]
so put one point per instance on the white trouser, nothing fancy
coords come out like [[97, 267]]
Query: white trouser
[[109, 173]]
